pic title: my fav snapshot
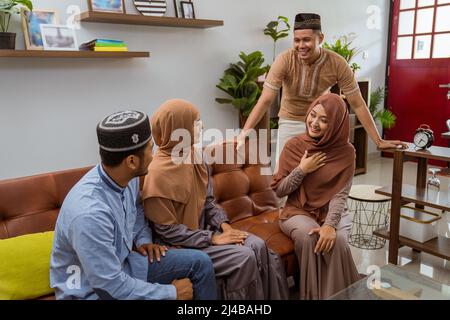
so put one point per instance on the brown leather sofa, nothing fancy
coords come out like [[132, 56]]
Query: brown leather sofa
[[251, 205], [31, 204]]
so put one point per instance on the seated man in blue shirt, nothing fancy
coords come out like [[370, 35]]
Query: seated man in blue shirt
[[102, 220]]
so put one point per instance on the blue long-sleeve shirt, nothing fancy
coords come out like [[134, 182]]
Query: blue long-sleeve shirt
[[92, 255]]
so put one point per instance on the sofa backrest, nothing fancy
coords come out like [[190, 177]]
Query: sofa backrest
[[31, 204], [241, 189]]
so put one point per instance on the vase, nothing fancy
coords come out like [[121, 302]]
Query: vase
[[7, 40]]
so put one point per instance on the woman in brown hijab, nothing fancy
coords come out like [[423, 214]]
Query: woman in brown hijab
[[178, 199], [316, 172]]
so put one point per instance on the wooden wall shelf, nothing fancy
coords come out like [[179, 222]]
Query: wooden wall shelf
[[71, 54], [439, 246], [135, 19], [422, 196]]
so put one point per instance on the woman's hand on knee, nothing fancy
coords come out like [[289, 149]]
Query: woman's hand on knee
[[230, 236], [327, 238]]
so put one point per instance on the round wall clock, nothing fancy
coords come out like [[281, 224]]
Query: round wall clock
[[151, 8]]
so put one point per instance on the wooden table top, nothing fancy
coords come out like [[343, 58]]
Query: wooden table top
[[434, 152]]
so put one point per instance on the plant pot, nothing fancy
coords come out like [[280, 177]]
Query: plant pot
[[7, 40], [242, 120]]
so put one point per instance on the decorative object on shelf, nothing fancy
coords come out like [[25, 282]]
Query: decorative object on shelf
[[176, 7], [151, 8], [105, 45], [31, 21], [386, 117], [114, 6], [424, 137], [240, 82], [418, 224], [187, 9], [58, 37], [433, 181], [7, 9], [342, 46]]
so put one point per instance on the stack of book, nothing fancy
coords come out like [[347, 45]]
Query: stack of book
[[104, 45]]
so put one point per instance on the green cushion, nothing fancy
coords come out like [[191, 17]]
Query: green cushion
[[25, 266]]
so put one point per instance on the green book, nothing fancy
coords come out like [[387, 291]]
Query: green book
[[110, 44]]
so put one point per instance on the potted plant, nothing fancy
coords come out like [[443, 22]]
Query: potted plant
[[240, 82], [272, 31], [342, 46], [7, 9], [386, 118]]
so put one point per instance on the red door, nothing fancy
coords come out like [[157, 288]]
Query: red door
[[419, 68]]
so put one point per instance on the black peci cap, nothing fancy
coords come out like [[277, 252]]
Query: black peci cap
[[124, 131], [307, 21]]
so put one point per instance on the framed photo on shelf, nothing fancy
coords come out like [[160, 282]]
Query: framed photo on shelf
[[187, 9], [177, 8], [31, 22], [113, 6], [58, 37]]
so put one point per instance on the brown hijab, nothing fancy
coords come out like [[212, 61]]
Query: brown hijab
[[184, 183], [319, 187]]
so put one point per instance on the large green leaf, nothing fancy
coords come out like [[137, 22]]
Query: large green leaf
[[223, 101], [240, 103], [10, 11], [10, 6], [6, 4], [228, 84], [376, 98], [272, 24], [25, 3], [386, 118]]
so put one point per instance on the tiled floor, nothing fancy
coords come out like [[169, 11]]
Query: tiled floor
[[380, 173]]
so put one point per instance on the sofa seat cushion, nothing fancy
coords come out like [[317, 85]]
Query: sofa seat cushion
[[266, 227]]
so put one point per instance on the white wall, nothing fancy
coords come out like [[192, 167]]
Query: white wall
[[49, 108]]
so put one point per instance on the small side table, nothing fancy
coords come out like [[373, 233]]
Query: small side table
[[370, 213]]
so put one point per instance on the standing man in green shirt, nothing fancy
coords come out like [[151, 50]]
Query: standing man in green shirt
[[305, 72]]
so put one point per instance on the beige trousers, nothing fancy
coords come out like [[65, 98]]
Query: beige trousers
[[287, 129]]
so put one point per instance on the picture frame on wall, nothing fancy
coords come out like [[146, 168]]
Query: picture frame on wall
[[187, 9], [58, 37], [111, 6], [31, 22]]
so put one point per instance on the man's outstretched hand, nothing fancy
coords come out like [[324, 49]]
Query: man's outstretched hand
[[391, 144]]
